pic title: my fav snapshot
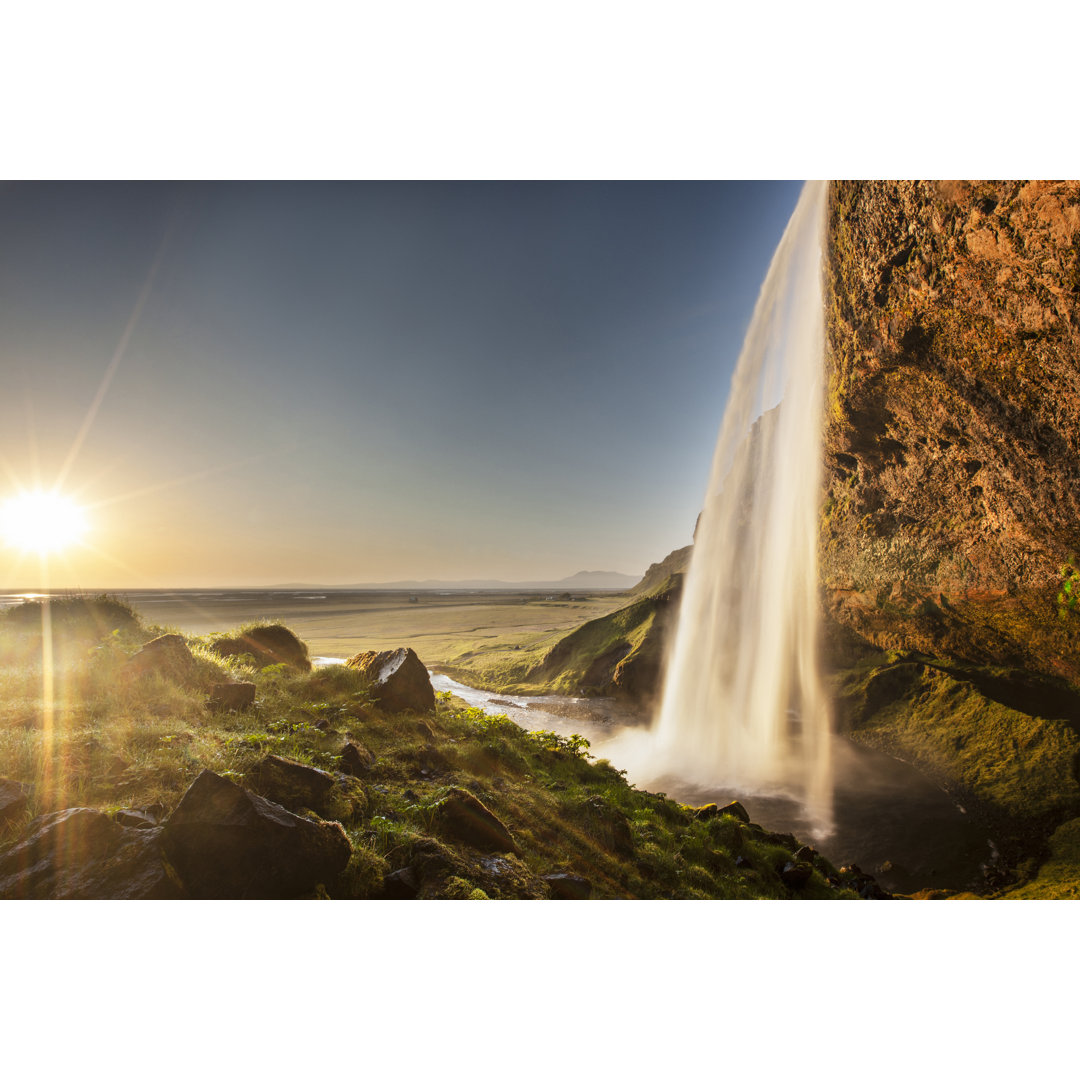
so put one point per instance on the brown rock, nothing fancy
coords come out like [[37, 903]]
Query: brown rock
[[289, 783], [356, 759], [232, 695], [167, 655], [464, 817], [227, 843], [796, 874], [568, 886], [400, 682]]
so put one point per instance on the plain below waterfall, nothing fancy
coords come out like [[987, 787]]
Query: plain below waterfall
[[743, 705]]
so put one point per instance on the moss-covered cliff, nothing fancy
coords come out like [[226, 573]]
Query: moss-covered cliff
[[952, 442]]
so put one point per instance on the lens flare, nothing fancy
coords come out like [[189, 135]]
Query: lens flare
[[41, 522]]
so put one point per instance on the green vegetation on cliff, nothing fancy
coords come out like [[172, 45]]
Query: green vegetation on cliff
[[619, 654]]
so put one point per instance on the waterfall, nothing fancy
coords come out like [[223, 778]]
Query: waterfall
[[743, 704]]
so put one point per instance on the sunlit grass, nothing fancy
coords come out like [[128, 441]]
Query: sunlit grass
[[120, 742]]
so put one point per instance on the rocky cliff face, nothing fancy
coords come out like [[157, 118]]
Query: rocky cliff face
[[952, 440]]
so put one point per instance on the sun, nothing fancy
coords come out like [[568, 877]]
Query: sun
[[41, 521]]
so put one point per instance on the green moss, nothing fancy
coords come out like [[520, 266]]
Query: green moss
[[1059, 877], [977, 729]]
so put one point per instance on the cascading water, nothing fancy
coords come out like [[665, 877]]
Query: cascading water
[[743, 705]]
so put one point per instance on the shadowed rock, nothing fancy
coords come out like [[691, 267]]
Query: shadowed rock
[[232, 695], [400, 680], [703, 813], [464, 817], [167, 655], [796, 874], [289, 783], [356, 759], [14, 798], [273, 644], [568, 886], [227, 843], [400, 885], [737, 810], [80, 854]]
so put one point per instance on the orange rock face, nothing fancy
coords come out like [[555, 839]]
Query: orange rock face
[[952, 445]]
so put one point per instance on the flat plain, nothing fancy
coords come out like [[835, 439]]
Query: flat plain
[[458, 629]]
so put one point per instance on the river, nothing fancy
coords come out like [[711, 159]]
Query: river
[[890, 820]]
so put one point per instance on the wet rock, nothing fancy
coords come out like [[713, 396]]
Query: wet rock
[[81, 854], [227, 843], [796, 874], [400, 682], [464, 817], [736, 809], [167, 655], [272, 644], [703, 813], [568, 886], [232, 695], [289, 783], [134, 819], [14, 799], [400, 885], [356, 759]]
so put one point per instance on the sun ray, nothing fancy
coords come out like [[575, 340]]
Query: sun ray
[[117, 356]]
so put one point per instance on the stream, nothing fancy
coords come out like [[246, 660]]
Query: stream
[[890, 819]]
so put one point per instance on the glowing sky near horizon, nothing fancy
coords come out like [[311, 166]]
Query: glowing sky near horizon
[[249, 384]]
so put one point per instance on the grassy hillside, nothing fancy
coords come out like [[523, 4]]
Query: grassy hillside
[[91, 734], [619, 653]]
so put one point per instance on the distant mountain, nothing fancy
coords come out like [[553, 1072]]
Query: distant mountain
[[582, 580]]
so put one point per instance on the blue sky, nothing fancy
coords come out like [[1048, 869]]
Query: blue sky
[[351, 382]]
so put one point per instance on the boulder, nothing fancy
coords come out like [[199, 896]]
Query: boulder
[[167, 655], [232, 695], [464, 817], [227, 843], [805, 854], [81, 854], [400, 682], [568, 886], [356, 759], [400, 885], [14, 799], [737, 810], [270, 644], [796, 874], [289, 783], [703, 813]]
